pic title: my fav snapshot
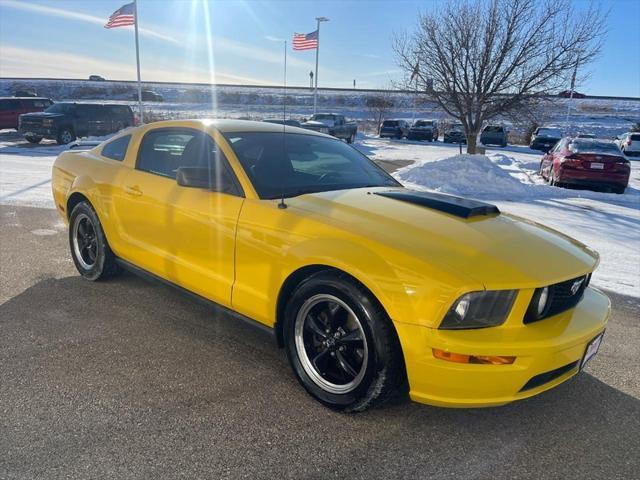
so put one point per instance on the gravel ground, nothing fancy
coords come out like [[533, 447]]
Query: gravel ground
[[130, 379]]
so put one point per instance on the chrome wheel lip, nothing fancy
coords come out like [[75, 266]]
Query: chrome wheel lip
[[303, 356], [77, 249]]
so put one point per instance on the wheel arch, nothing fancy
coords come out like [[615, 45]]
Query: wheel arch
[[298, 276], [74, 199]]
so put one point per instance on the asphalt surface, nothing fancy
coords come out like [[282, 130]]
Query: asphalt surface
[[130, 379]]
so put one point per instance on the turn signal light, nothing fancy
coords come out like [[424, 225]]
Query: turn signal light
[[482, 359]]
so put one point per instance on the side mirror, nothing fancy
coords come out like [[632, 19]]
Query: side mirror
[[196, 177]]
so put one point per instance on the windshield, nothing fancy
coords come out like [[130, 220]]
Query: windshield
[[59, 108], [587, 146], [390, 123], [423, 123], [549, 132], [294, 164], [457, 127], [493, 128], [322, 116]]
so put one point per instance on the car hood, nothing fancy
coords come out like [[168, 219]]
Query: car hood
[[42, 115], [519, 253]]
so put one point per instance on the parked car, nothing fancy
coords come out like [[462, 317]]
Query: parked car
[[289, 122], [333, 124], [455, 134], [394, 129], [567, 94], [12, 107], [586, 162], [148, 96], [629, 143], [310, 239], [545, 138], [96, 78], [424, 130], [25, 93], [64, 122], [494, 135]]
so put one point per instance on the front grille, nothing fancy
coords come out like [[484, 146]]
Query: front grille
[[547, 377], [561, 298]]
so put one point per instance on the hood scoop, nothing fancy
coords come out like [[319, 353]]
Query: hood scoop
[[460, 207]]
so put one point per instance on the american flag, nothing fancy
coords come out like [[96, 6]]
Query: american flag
[[122, 17], [307, 41]]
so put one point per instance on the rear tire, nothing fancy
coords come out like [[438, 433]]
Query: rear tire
[[90, 250], [341, 344], [351, 138], [33, 139]]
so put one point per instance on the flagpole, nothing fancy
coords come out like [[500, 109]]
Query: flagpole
[[315, 91], [135, 18], [284, 100]]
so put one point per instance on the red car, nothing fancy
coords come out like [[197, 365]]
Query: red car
[[592, 163], [12, 107]]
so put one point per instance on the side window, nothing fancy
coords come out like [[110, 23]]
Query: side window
[[117, 149], [164, 151]]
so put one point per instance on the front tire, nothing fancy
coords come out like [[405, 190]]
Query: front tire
[[90, 251], [65, 136], [341, 344]]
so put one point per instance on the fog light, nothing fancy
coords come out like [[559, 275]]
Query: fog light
[[475, 359]]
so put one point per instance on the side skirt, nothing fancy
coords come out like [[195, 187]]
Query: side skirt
[[220, 309]]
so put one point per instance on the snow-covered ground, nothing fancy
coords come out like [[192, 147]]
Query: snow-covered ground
[[606, 222]]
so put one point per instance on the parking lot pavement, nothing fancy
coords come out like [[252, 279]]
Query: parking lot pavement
[[130, 379]]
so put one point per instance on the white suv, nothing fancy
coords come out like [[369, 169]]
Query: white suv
[[629, 143]]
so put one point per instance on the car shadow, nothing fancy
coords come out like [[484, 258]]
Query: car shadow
[[114, 365]]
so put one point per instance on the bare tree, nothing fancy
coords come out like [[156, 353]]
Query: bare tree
[[485, 58], [379, 105]]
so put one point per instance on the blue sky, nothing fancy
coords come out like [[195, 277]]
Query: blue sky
[[65, 38]]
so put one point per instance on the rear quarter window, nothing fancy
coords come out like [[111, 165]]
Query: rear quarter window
[[116, 149], [635, 137]]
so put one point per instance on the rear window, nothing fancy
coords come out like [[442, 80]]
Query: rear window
[[635, 137], [117, 149], [494, 128], [38, 103], [424, 123], [390, 123], [594, 147], [549, 132]]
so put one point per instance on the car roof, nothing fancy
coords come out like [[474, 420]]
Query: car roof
[[24, 98], [237, 126]]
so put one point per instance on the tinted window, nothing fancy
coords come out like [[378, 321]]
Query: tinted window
[[390, 123], [119, 110], [165, 150], [493, 128], [116, 149], [635, 137], [39, 103], [549, 132], [595, 147], [424, 123], [8, 105], [296, 164]]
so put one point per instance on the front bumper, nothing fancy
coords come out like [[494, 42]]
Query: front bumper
[[540, 348], [38, 131]]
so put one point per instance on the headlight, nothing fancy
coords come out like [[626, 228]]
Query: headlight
[[479, 309]]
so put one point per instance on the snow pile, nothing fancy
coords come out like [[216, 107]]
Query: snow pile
[[468, 175]]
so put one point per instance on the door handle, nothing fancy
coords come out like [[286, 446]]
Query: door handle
[[133, 190]]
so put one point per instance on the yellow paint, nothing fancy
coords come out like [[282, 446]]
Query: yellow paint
[[238, 252]]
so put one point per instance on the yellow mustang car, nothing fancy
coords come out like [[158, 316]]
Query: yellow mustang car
[[370, 287]]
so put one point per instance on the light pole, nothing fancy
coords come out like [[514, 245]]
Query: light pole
[[315, 91]]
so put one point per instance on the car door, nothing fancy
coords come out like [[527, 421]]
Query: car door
[[9, 111], [548, 159], [183, 234]]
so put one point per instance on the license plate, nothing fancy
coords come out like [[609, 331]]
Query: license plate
[[597, 166], [591, 350]]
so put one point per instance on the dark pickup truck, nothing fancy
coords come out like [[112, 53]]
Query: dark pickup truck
[[64, 122], [332, 124]]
